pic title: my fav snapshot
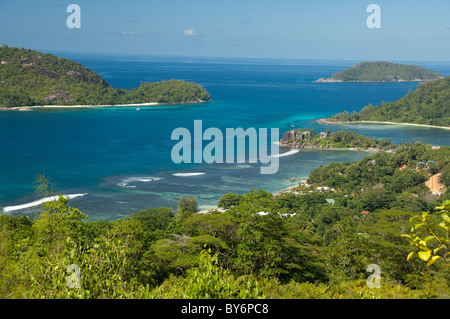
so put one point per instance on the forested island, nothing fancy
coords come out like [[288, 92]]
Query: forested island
[[306, 138], [315, 241], [383, 72], [429, 104], [31, 78]]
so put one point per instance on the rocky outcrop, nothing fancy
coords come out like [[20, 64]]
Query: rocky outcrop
[[294, 136], [59, 95], [72, 72], [49, 73], [329, 80], [300, 139]]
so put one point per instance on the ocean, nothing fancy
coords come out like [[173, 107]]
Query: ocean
[[119, 158]]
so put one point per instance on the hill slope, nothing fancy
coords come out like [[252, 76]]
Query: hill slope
[[429, 104], [29, 78], [383, 72]]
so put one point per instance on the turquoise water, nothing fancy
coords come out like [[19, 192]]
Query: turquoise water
[[121, 157]]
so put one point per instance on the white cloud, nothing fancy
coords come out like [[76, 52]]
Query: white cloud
[[189, 32], [130, 33]]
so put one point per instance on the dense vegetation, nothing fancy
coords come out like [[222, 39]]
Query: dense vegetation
[[387, 175], [305, 138], [316, 242], [428, 104], [383, 72], [29, 78]]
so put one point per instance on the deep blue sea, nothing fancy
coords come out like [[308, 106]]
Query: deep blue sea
[[121, 157]]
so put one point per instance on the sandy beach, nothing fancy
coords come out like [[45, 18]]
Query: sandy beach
[[325, 121], [27, 108]]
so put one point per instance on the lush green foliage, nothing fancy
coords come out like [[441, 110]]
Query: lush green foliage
[[429, 237], [229, 200], [29, 78], [385, 72], [387, 174], [208, 281], [429, 104]]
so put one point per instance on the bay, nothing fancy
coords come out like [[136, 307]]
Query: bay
[[120, 157]]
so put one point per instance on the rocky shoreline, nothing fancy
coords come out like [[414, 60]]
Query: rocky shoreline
[[300, 139]]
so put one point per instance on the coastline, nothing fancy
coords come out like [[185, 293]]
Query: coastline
[[150, 104], [28, 108], [330, 80], [370, 150], [326, 121], [296, 147]]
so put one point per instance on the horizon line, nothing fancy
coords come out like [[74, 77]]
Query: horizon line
[[233, 57]]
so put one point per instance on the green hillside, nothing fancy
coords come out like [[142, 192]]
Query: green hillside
[[429, 104], [383, 72], [29, 78]]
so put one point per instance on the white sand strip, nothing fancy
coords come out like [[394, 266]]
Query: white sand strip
[[325, 121], [78, 106]]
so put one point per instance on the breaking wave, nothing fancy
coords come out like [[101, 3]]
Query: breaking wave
[[38, 202], [291, 152], [143, 179], [187, 174]]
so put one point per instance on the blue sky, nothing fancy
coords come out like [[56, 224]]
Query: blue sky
[[320, 29]]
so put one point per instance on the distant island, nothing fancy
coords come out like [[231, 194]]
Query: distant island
[[383, 72], [306, 138], [428, 105], [32, 78]]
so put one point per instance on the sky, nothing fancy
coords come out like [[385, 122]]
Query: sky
[[410, 30]]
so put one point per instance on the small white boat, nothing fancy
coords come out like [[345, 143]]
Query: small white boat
[[138, 109]]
